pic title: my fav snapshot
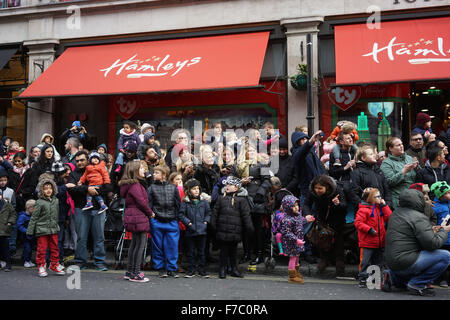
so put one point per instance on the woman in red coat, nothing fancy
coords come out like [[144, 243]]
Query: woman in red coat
[[370, 221], [136, 216]]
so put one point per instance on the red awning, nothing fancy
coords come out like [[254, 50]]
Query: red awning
[[399, 51], [205, 63]]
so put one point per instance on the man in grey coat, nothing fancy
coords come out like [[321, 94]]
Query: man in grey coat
[[413, 253]]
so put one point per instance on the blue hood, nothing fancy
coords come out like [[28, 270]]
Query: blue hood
[[296, 136]]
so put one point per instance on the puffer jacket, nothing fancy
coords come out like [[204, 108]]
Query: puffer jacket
[[392, 168], [164, 200], [44, 220], [7, 215], [195, 213], [230, 215], [137, 210], [441, 210], [368, 175], [372, 217], [410, 231], [96, 175], [429, 175]]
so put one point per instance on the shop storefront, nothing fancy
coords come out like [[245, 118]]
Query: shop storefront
[[169, 84], [13, 77], [381, 78]]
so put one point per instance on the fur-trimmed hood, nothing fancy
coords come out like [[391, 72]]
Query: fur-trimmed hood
[[40, 187], [47, 135], [203, 196]]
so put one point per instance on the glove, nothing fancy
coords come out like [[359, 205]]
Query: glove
[[300, 242], [372, 232]]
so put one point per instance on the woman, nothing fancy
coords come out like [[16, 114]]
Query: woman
[[256, 180], [326, 202], [399, 168], [19, 180], [136, 216], [43, 164], [34, 155]]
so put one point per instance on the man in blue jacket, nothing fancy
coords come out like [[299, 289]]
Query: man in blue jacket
[[307, 163]]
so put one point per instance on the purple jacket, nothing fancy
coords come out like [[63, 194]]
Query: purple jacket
[[137, 211]]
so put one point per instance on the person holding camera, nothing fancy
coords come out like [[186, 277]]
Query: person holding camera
[[75, 131]]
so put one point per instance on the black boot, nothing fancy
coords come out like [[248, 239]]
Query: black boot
[[259, 259], [235, 273], [222, 273]]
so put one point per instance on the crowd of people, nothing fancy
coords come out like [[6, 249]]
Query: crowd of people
[[352, 204]]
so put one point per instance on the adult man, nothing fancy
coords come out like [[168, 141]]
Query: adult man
[[86, 220], [412, 247], [347, 160], [181, 137], [435, 169], [415, 148], [71, 148]]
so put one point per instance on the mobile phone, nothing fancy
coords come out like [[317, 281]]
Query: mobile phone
[[446, 220]]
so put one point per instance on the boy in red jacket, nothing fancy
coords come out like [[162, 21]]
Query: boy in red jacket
[[370, 221], [96, 175]]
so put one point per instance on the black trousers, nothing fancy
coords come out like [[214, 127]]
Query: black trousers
[[136, 252], [193, 245], [4, 251], [228, 252]]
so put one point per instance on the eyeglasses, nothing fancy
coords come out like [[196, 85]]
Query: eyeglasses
[[81, 160]]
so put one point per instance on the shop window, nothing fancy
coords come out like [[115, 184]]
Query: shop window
[[12, 117]]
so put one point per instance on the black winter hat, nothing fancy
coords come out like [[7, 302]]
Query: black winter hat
[[191, 183], [283, 143]]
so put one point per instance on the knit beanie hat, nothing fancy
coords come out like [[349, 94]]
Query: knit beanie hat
[[233, 181], [76, 124], [440, 188], [420, 186], [130, 146], [283, 143], [148, 135], [58, 167], [94, 155], [191, 183], [422, 118], [146, 126]]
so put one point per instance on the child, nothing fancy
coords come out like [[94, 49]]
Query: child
[[230, 214], [102, 150], [348, 128], [370, 220], [291, 229], [146, 127], [96, 175], [136, 217], [22, 226], [44, 225], [423, 126], [47, 138], [176, 179], [441, 190], [13, 149], [164, 200], [127, 133], [195, 214], [7, 220], [148, 142]]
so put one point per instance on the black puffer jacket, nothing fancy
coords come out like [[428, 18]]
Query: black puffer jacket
[[259, 186], [227, 219], [369, 175], [321, 206], [430, 175], [164, 200], [207, 177]]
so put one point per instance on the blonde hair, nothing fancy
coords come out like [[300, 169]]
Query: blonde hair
[[362, 152], [30, 203]]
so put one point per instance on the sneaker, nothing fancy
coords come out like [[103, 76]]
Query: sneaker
[[7, 268], [139, 278], [202, 273], [172, 274], [163, 273], [88, 206], [58, 269], [2, 264], [29, 264], [189, 274], [101, 267], [386, 283], [337, 163], [424, 292], [119, 167], [41, 271], [127, 276], [103, 208], [443, 284], [362, 283]]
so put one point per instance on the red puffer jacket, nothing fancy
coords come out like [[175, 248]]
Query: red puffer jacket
[[371, 216]]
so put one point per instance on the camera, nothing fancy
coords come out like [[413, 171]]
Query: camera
[[446, 221]]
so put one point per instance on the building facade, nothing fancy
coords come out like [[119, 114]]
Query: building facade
[[41, 31]]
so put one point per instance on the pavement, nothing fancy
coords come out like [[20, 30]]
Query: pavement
[[279, 268]]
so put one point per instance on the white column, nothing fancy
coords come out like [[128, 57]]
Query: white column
[[40, 114], [296, 31]]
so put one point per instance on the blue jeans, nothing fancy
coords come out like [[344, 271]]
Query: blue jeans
[[90, 220], [119, 159], [165, 236], [13, 238], [427, 268]]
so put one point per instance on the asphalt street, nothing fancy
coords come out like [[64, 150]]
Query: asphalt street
[[24, 284]]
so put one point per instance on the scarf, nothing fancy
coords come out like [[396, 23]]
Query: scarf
[[22, 170]]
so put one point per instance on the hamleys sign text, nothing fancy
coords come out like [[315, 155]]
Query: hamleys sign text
[[156, 66]]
